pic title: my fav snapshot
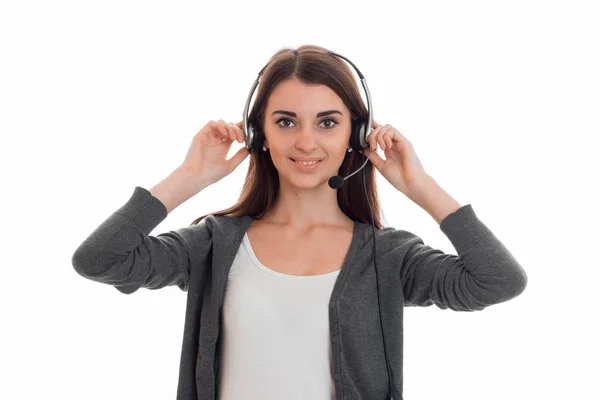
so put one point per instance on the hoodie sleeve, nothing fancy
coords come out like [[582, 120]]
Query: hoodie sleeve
[[121, 253], [482, 274]]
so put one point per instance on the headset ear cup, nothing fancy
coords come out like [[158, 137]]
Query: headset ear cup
[[253, 136], [250, 137], [247, 140], [361, 134], [257, 141], [253, 140], [353, 133], [358, 130]]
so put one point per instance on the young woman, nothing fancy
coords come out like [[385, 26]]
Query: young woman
[[283, 295]]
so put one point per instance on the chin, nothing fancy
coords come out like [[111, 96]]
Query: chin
[[310, 183]]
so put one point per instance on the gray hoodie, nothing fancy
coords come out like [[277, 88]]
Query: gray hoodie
[[197, 258]]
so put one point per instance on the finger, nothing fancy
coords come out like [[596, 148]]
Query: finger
[[237, 132], [228, 130], [242, 134], [237, 158], [231, 131], [376, 135], [240, 126], [373, 139], [381, 136], [389, 141], [376, 160], [224, 135], [216, 130], [388, 137]]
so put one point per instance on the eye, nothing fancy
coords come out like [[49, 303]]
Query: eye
[[330, 126], [283, 119], [330, 119]]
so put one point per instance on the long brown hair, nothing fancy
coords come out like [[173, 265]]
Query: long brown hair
[[309, 64]]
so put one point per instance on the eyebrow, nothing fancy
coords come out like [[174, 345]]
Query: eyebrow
[[319, 114]]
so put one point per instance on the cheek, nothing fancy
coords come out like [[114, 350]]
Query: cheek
[[281, 161]]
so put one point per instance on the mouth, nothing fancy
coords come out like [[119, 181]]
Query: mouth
[[306, 165], [311, 162]]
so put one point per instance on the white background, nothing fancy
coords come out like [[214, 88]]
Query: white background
[[500, 100]]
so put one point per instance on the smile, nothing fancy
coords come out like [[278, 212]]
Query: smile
[[306, 165]]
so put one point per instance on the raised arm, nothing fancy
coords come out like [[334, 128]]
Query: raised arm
[[121, 253], [483, 273]]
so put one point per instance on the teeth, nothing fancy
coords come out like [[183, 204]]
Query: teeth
[[307, 162]]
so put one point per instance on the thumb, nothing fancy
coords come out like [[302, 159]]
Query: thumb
[[237, 158]]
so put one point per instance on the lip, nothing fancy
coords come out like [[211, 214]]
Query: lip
[[305, 159], [303, 167]]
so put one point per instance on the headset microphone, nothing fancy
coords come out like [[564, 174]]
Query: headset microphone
[[336, 182]]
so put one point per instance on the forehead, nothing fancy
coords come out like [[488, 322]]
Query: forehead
[[302, 98]]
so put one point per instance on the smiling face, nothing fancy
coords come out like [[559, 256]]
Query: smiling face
[[306, 122]]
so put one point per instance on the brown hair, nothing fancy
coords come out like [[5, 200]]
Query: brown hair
[[311, 65]]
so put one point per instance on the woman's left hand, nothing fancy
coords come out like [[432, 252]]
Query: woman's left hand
[[402, 168]]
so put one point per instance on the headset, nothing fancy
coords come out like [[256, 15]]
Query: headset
[[359, 134]]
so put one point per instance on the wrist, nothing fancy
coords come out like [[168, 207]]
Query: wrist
[[432, 198], [190, 179]]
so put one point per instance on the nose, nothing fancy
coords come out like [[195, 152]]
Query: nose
[[306, 140]]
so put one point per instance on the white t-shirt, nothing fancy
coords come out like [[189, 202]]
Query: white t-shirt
[[275, 341]]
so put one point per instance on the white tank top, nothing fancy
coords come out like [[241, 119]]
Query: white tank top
[[275, 341]]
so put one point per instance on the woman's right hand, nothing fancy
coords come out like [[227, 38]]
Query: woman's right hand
[[206, 157]]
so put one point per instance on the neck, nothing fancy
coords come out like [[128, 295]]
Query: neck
[[306, 208]]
